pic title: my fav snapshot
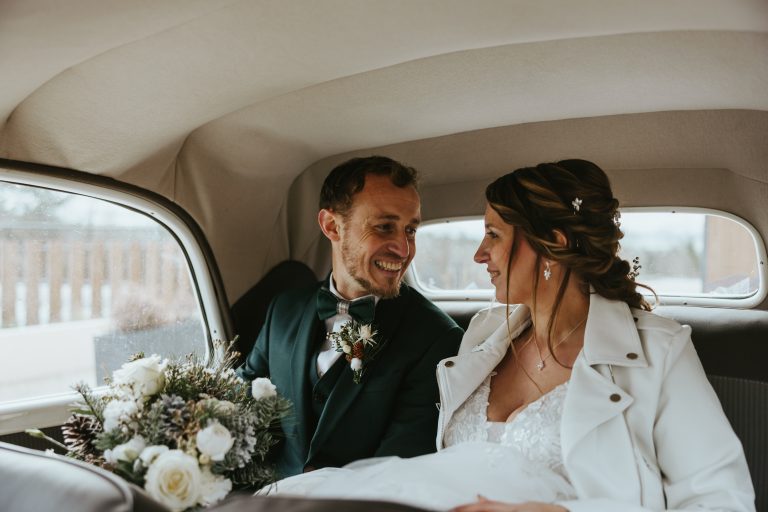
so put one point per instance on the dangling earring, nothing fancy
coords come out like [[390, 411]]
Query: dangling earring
[[547, 271]]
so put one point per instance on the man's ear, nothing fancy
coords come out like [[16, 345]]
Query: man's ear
[[329, 224]]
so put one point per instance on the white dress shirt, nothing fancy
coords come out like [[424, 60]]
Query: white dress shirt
[[326, 354]]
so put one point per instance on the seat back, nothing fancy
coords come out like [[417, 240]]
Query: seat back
[[250, 310], [36, 480], [745, 403]]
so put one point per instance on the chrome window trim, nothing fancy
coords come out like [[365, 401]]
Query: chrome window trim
[[750, 301]]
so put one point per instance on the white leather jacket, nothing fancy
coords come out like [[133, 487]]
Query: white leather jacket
[[642, 428]]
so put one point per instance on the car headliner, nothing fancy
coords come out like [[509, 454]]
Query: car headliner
[[236, 109]]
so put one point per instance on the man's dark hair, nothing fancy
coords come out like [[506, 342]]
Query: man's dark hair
[[348, 178]]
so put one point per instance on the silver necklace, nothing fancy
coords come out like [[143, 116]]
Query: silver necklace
[[542, 364]]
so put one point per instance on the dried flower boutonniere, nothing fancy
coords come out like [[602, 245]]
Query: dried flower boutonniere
[[358, 344]]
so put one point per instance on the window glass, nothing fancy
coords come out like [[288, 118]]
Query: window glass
[[680, 254], [692, 254], [444, 256], [84, 284]]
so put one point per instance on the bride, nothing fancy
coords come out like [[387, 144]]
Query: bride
[[571, 395]]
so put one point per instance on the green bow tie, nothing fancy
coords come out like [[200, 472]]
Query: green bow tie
[[329, 305]]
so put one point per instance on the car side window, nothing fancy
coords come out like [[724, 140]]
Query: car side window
[[687, 255], [84, 284]]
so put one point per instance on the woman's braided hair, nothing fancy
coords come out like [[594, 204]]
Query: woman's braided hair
[[539, 200]]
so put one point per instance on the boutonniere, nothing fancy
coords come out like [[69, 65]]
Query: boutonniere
[[359, 345]]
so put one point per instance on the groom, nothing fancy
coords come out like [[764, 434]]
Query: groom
[[369, 210]]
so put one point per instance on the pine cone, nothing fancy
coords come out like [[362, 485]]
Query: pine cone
[[79, 432], [169, 417]]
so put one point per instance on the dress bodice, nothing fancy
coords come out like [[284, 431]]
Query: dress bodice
[[535, 431], [509, 462]]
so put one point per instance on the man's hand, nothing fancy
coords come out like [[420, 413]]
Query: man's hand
[[486, 505]]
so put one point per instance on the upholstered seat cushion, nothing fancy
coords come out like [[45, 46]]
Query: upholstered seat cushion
[[35, 480]]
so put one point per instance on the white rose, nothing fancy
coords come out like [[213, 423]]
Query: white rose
[[356, 364], [214, 440], [347, 348], [263, 388], [366, 332], [118, 411], [127, 452], [150, 453], [214, 488], [174, 479], [142, 377]]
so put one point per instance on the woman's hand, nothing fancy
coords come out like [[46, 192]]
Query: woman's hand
[[486, 505]]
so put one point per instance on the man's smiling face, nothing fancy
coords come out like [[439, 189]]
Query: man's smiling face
[[377, 239]]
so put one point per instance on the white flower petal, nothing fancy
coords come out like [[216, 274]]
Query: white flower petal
[[214, 440], [263, 388], [150, 453], [174, 479], [214, 488], [142, 377]]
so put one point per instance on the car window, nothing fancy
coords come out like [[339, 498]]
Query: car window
[[85, 283], [686, 255]]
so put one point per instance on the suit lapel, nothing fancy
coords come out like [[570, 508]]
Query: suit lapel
[[386, 321], [301, 357]]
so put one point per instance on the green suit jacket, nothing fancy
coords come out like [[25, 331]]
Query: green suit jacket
[[393, 411]]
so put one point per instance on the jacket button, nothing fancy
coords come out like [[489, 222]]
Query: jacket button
[[615, 397], [632, 356], [449, 364], [319, 397]]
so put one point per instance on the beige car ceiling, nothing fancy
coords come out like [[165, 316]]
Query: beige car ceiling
[[222, 105]]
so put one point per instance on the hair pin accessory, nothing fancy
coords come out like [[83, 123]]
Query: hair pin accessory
[[636, 266], [576, 205]]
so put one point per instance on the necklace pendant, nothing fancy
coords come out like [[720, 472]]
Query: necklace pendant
[[540, 365]]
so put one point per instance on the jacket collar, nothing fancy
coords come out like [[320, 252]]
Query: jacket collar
[[594, 400], [610, 336], [482, 348], [491, 331]]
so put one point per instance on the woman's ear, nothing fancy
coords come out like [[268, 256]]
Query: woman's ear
[[560, 238], [328, 224]]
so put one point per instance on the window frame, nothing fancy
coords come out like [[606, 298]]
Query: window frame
[[207, 284], [677, 300]]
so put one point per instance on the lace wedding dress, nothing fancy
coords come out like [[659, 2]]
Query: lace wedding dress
[[516, 461]]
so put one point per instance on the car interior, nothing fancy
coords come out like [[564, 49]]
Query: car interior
[[219, 121]]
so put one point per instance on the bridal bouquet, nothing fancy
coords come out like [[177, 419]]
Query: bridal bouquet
[[185, 432]]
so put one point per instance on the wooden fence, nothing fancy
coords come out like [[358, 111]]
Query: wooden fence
[[48, 276]]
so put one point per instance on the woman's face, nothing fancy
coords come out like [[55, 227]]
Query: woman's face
[[494, 252]]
